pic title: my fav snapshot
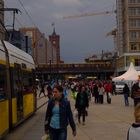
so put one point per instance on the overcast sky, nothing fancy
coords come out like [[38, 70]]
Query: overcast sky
[[79, 38]]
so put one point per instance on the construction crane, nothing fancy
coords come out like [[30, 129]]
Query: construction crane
[[90, 14], [113, 32]]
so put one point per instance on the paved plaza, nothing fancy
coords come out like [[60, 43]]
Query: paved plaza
[[104, 122]]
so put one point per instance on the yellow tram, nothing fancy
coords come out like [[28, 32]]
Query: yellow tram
[[17, 98]]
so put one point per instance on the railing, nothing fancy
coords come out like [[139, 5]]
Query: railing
[[76, 68]]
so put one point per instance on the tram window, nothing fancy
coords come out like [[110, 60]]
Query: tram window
[[15, 82], [2, 82], [27, 82]]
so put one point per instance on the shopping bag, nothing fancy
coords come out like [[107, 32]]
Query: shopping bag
[[45, 137], [75, 115], [109, 94]]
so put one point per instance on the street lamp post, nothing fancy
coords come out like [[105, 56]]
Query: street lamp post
[[50, 63]]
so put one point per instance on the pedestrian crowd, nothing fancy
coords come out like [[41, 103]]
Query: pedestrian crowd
[[59, 113]]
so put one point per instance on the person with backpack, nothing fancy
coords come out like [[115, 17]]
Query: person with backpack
[[135, 95]]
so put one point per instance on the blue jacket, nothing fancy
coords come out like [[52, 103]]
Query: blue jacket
[[66, 116]]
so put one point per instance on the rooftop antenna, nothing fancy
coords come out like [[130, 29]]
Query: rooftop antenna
[[53, 25]]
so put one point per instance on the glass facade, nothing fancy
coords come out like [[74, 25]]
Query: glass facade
[[21, 41]]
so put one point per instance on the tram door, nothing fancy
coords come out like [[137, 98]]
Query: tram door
[[19, 94]]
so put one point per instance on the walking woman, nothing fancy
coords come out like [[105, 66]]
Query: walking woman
[[81, 103], [58, 115], [101, 93]]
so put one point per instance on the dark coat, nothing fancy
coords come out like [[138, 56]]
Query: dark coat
[[135, 91], [65, 114], [95, 91], [126, 90], [85, 101]]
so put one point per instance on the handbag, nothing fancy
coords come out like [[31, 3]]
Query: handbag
[[45, 137], [109, 94]]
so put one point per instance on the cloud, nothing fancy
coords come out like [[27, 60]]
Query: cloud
[[79, 37]]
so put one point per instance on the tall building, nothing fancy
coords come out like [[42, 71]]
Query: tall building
[[38, 44], [2, 30], [55, 41], [49, 52], [19, 40], [128, 27]]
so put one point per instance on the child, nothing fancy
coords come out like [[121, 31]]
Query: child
[[134, 130]]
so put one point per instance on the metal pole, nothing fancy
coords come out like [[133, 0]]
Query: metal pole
[[50, 69], [26, 44]]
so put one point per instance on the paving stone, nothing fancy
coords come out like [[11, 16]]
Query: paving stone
[[104, 122]]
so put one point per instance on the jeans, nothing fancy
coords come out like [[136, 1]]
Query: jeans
[[81, 112], [126, 99], [58, 134]]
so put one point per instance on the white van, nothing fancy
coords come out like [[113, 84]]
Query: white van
[[119, 87]]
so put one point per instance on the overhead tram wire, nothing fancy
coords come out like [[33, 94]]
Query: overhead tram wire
[[15, 11], [29, 16], [18, 21]]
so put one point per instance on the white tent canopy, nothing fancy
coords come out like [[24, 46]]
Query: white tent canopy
[[130, 75]]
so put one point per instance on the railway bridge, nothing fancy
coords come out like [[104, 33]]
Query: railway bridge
[[100, 70]]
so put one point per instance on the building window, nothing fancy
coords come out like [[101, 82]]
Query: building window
[[134, 1], [132, 11], [137, 62], [139, 47], [138, 11], [138, 34], [132, 35], [133, 47], [132, 23], [137, 23]]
